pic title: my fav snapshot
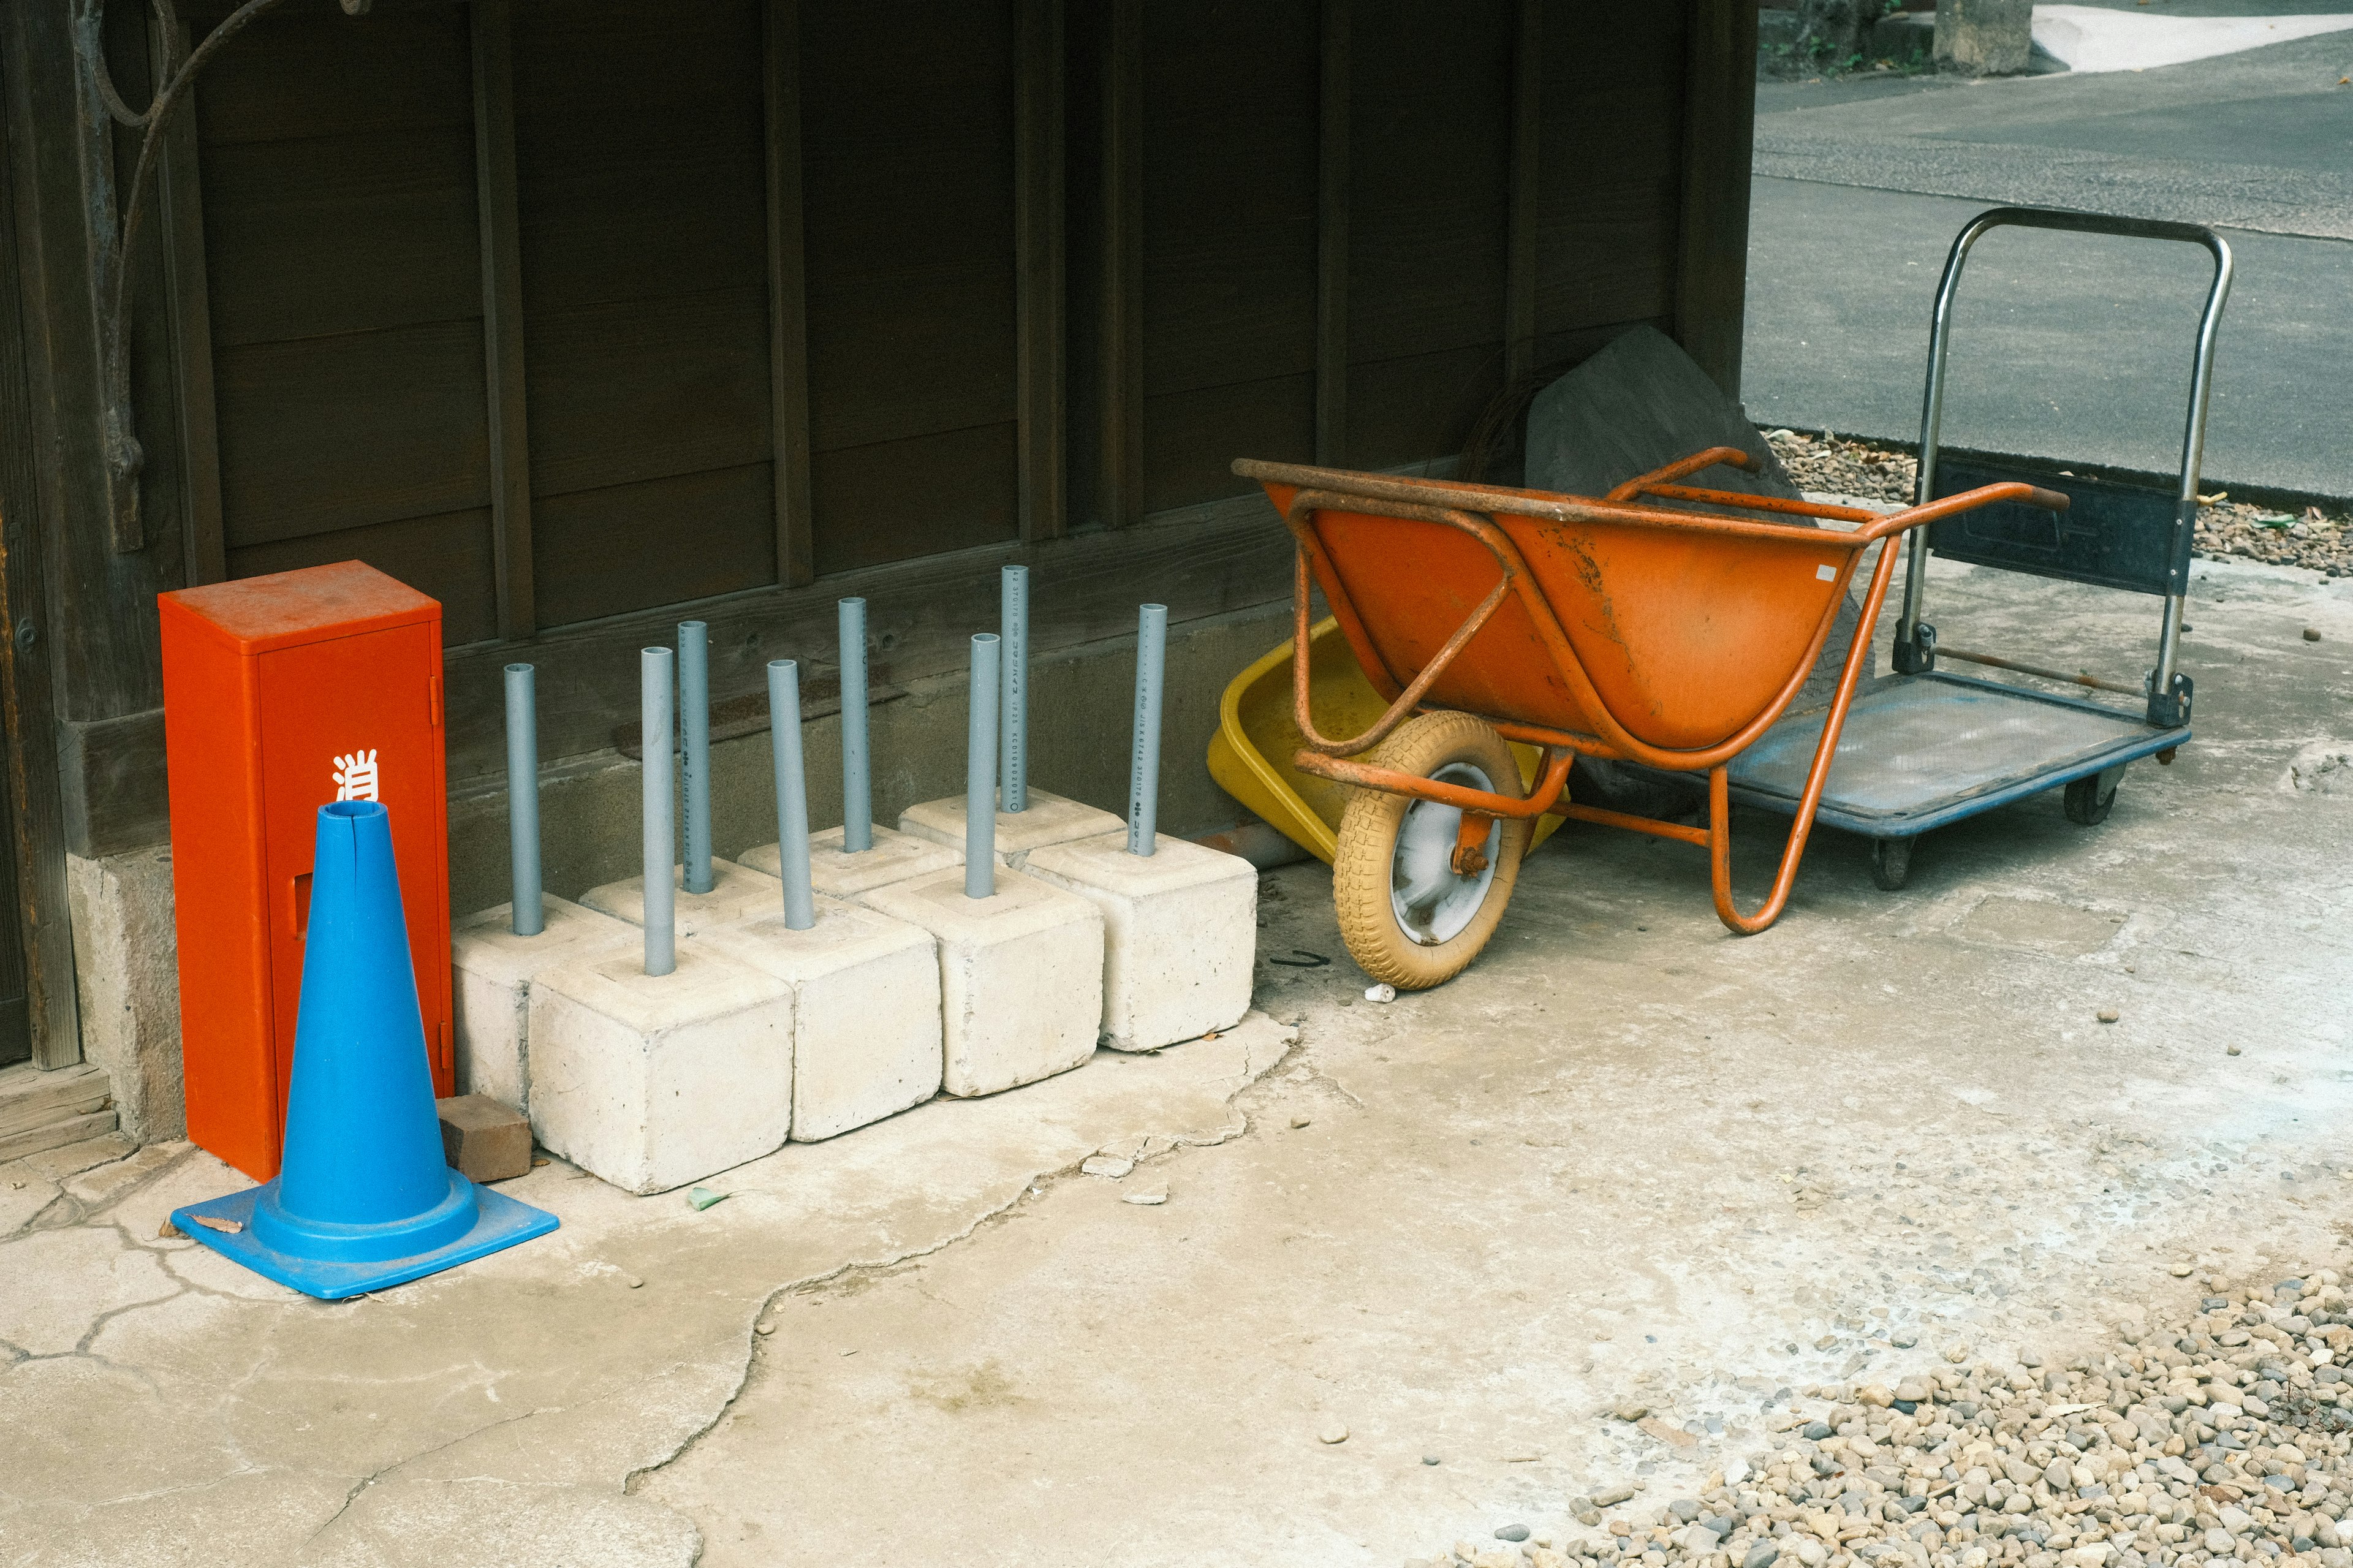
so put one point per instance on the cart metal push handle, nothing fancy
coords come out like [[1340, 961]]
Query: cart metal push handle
[[1914, 651]]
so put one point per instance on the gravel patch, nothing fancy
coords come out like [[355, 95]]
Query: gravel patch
[[2316, 538], [2216, 1439]]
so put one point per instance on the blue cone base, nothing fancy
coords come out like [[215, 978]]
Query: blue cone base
[[500, 1222]]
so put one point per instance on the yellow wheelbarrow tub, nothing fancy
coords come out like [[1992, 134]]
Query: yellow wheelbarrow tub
[[1250, 756]]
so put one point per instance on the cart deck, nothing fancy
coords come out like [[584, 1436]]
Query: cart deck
[[1920, 751]]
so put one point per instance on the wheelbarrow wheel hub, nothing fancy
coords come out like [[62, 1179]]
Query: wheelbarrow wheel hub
[[1420, 885]]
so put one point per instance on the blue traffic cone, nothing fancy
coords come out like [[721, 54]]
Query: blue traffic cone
[[363, 1198]]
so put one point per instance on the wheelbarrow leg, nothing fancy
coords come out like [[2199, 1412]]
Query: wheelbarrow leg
[[1719, 856], [1719, 777]]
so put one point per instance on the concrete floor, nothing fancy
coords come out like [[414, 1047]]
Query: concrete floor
[[1624, 1157]]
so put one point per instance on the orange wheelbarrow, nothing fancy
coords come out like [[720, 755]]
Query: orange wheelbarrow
[[1611, 628]]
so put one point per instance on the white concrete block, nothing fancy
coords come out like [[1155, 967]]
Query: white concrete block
[[492, 968], [737, 893], [866, 1011], [1021, 975], [652, 1081], [1049, 819], [894, 858], [1180, 927]]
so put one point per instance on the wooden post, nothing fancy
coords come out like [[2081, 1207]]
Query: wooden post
[[1037, 222], [502, 343], [788, 301], [1527, 128], [1335, 106], [1719, 122], [188, 302], [1121, 503], [36, 816]]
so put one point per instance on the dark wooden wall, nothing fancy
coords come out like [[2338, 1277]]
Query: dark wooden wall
[[574, 312]]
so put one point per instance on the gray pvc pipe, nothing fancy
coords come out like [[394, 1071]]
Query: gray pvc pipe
[[1013, 689], [792, 792], [857, 766], [1143, 764], [695, 721], [654, 668], [980, 772], [530, 915]]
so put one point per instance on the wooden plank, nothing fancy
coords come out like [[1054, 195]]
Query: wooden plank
[[1119, 339], [913, 190], [1421, 407], [650, 389], [1432, 177], [627, 547], [1217, 558], [501, 281], [1528, 138], [788, 367], [180, 217], [330, 433], [58, 1134], [1718, 129], [947, 490], [1037, 225], [1334, 121], [341, 234], [952, 359], [1609, 170], [641, 150], [1192, 438], [30, 1097], [292, 77], [1230, 193], [115, 796]]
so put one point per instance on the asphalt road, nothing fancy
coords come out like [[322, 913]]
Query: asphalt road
[[2066, 346]]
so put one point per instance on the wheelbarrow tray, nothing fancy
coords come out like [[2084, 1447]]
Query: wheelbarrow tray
[[1918, 751], [1250, 756]]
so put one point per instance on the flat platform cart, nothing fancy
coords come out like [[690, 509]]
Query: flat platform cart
[[1484, 615], [1927, 747]]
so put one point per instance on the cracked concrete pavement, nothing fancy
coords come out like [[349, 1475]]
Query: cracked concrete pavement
[[1626, 1156], [163, 1406]]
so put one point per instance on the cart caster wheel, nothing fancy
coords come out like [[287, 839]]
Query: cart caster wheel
[[1408, 917], [1891, 862], [2089, 800]]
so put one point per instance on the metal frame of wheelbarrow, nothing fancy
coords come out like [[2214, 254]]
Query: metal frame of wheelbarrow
[[1460, 507], [1927, 747]]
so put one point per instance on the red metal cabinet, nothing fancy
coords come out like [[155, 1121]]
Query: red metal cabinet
[[282, 693]]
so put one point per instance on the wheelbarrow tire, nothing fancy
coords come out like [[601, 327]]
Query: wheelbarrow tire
[[1364, 865], [1891, 863]]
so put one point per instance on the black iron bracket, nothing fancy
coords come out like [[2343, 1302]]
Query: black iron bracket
[[1915, 654], [2170, 708], [113, 218]]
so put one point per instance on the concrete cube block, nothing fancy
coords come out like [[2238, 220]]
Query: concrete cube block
[[1180, 933], [1985, 38], [893, 858], [866, 1011], [1021, 975], [1049, 819], [485, 1141], [492, 968], [737, 892], [652, 1081]]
